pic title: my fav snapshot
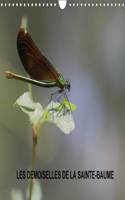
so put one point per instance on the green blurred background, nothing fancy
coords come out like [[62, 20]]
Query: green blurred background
[[87, 45]]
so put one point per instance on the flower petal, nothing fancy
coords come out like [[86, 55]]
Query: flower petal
[[37, 114], [36, 192], [33, 110], [16, 195], [63, 120], [65, 123], [25, 101]]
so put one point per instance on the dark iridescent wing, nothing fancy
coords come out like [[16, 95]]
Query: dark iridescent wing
[[36, 65]]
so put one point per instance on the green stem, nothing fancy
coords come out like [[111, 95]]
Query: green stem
[[30, 90], [33, 165]]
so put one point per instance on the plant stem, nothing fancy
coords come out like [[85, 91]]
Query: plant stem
[[33, 163], [30, 90]]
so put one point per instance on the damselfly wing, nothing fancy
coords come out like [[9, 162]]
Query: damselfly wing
[[36, 64]]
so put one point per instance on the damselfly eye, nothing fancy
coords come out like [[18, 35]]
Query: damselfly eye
[[68, 86]]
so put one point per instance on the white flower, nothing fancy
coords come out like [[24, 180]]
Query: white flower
[[58, 113], [36, 192], [61, 118]]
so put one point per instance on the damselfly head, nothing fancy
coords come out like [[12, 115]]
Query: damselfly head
[[68, 85]]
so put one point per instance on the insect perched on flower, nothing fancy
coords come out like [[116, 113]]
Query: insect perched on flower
[[42, 73]]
